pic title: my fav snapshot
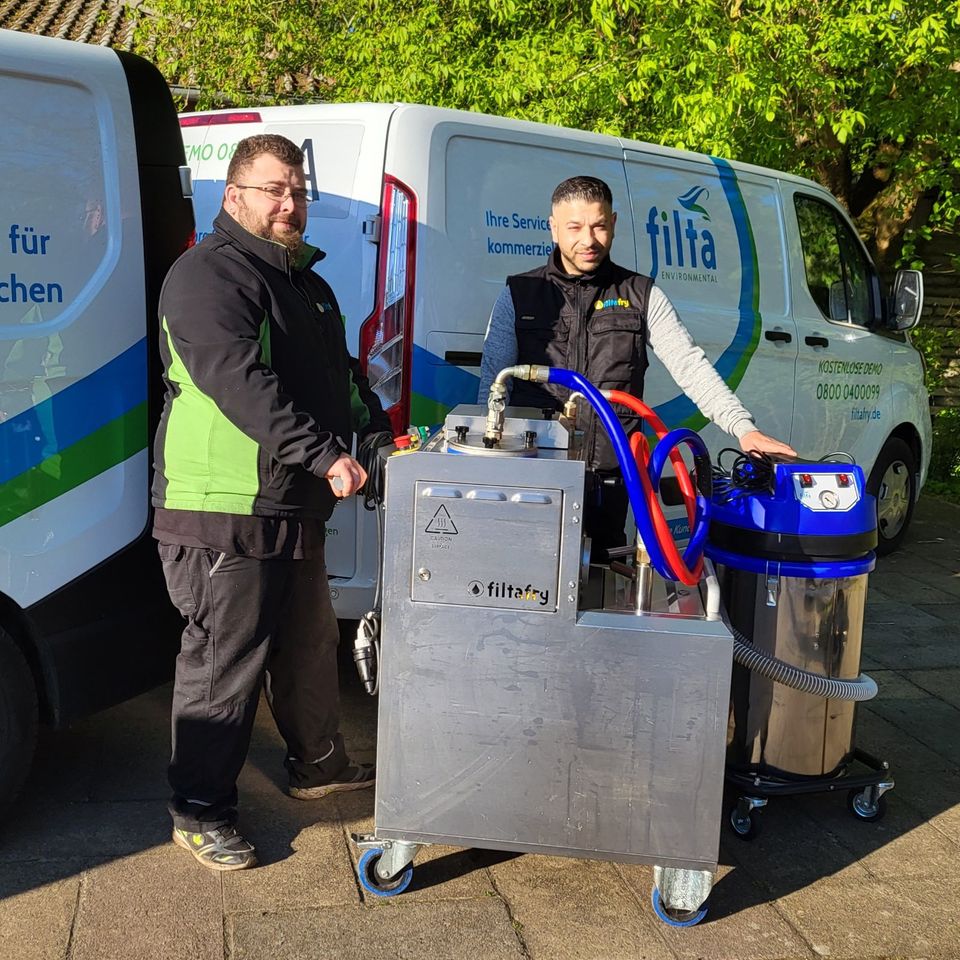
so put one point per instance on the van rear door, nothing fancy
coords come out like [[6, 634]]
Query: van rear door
[[73, 317]]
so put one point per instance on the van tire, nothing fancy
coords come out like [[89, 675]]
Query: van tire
[[18, 719], [893, 481]]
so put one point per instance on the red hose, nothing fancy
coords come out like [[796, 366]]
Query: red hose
[[641, 452]]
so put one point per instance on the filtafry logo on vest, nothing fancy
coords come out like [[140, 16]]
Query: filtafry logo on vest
[[604, 304]]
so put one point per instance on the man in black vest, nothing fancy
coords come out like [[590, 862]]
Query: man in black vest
[[584, 312]]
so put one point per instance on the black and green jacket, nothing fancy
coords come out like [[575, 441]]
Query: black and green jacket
[[261, 392]]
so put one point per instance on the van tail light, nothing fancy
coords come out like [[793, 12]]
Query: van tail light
[[213, 119], [386, 337]]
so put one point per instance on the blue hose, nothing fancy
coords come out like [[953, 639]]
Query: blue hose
[[658, 460], [628, 466]]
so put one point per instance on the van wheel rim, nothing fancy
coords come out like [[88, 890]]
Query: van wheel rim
[[893, 499]]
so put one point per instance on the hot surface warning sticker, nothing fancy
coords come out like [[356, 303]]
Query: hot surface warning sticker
[[442, 522]]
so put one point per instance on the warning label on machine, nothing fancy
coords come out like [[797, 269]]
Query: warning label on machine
[[442, 522]]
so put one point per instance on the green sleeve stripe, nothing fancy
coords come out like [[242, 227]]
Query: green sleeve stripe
[[209, 464]]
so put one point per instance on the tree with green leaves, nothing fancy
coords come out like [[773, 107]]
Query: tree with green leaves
[[863, 96]]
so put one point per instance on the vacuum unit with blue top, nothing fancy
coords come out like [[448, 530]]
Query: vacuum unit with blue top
[[793, 542]]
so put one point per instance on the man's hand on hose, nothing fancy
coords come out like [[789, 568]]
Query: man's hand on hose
[[757, 442], [346, 476]]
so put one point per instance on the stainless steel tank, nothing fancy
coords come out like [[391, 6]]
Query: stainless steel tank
[[815, 624], [515, 716]]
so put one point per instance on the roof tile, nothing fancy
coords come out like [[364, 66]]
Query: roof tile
[[105, 22]]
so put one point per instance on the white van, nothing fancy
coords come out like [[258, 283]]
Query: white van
[[424, 212], [94, 213]]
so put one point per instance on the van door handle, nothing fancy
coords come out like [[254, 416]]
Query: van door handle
[[778, 335], [816, 341], [463, 358]]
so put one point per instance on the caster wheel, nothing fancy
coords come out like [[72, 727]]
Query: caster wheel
[[676, 918], [858, 803], [744, 825], [366, 871]]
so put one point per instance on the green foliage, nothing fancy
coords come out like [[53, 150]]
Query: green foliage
[[863, 95], [937, 345], [946, 490]]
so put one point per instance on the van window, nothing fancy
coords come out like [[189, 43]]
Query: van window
[[837, 271], [56, 212]]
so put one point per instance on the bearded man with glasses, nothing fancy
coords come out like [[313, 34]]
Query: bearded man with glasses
[[250, 458]]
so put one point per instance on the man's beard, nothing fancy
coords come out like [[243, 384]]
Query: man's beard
[[293, 242], [263, 227]]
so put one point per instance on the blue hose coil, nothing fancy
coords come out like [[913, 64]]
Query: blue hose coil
[[631, 474], [658, 460]]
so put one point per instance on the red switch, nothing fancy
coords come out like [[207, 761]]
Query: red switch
[[843, 480], [806, 480]]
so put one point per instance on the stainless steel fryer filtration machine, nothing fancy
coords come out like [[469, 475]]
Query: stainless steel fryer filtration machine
[[525, 703]]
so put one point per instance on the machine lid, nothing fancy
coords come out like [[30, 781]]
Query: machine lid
[[794, 547], [825, 570]]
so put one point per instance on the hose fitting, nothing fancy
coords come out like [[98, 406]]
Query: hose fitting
[[497, 398]]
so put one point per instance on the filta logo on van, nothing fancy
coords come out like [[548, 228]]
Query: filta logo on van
[[679, 250]]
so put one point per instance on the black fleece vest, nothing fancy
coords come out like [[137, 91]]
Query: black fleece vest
[[595, 324]]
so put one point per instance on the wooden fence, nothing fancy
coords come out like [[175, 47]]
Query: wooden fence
[[941, 309]]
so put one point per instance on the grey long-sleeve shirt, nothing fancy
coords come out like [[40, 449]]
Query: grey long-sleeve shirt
[[670, 341]]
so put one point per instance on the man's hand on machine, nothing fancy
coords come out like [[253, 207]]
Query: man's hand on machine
[[757, 442], [346, 476]]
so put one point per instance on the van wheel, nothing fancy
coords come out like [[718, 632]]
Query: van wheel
[[18, 719], [893, 481]]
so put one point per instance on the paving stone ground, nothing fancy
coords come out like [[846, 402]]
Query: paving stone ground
[[87, 870]]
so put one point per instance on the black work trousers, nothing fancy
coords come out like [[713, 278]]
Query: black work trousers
[[251, 625]]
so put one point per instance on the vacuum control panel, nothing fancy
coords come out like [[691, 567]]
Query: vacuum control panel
[[826, 491]]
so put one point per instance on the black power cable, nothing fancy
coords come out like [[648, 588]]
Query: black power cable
[[749, 473], [369, 457]]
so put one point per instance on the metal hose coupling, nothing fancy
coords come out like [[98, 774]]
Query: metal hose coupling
[[497, 398]]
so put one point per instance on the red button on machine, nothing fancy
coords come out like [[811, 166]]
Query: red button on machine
[[806, 480], [843, 480]]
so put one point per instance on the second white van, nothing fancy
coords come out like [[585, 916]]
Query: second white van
[[423, 212]]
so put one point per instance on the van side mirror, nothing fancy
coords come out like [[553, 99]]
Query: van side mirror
[[907, 299], [838, 301]]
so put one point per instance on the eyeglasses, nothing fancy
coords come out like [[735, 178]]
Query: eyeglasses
[[279, 194]]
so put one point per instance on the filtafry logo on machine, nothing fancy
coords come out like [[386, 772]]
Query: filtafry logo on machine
[[510, 591], [441, 523]]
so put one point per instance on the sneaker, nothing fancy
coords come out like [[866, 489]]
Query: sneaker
[[221, 848], [354, 777]]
